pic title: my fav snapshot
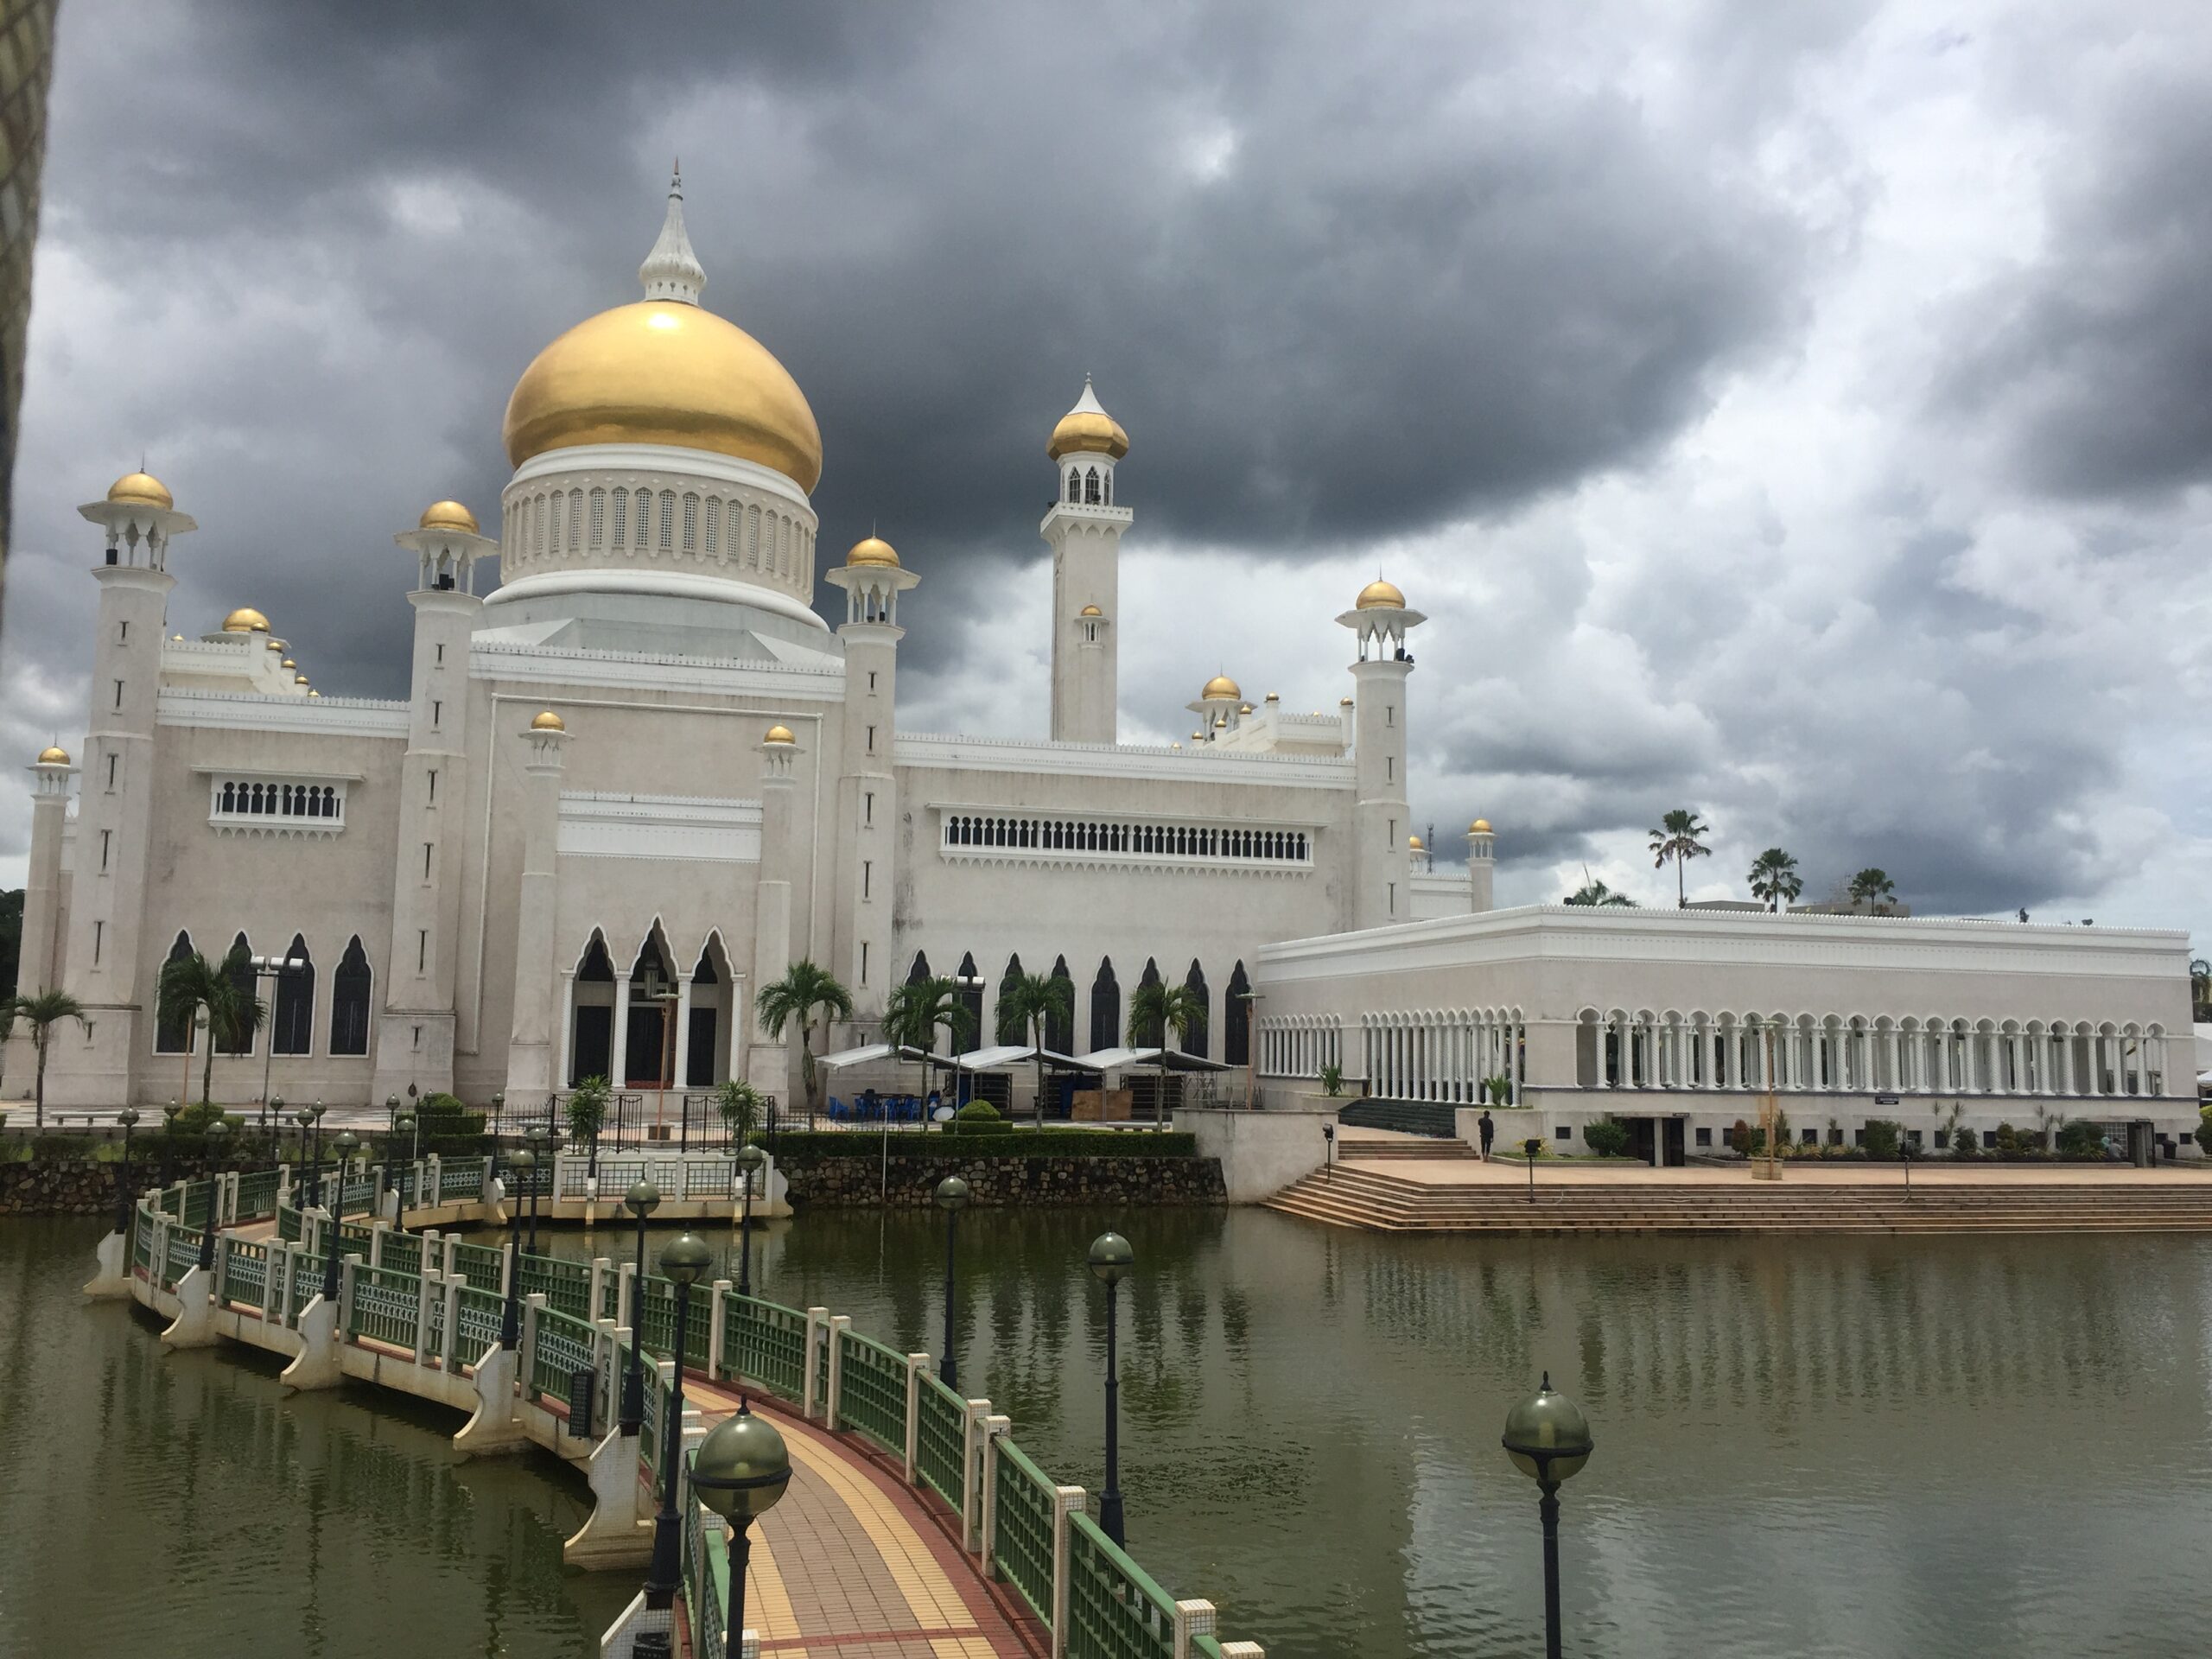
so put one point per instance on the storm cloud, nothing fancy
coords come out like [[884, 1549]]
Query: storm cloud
[[1793, 412]]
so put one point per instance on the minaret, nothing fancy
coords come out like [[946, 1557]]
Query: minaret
[[533, 1069], [767, 1060], [115, 804], [1084, 527], [671, 270], [50, 776], [415, 1036], [1381, 863], [1481, 864], [867, 798]]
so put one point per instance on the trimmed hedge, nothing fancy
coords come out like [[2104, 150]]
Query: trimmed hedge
[[1014, 1144]]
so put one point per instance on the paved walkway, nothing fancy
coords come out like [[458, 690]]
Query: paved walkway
[[852, 1566]]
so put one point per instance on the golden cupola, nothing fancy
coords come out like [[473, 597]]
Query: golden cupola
[[1088, 429], [665, 371]]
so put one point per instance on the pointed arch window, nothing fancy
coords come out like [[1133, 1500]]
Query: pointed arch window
[[1010, 1029], [238, 967], [1105, 1007], [1059, 1028], [173, 1035], [291, 1026], [920, 970], [1237, 1019], [349, 1001], [1091, 496], [1195, 1041], [1148, 1035], [972, 1000], [622, 519]]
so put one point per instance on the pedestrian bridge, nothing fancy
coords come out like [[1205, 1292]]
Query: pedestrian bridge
[[915, 1525]]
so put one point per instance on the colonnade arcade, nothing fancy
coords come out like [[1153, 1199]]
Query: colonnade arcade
[[620, 1026], [1444, 1054], [1856, 1054]]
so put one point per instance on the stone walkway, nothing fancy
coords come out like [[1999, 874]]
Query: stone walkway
[[852, 1566]]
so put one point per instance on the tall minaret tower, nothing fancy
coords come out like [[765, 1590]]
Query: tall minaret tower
[[115, 802], [1482, 865], [1084, 527], [868, 795], [415, 1037], [1382, 864]]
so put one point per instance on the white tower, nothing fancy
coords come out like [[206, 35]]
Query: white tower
[[867, 792], [767, 1056], [50, 776], [1084, 527], [104, 962], [414, 1038], [1481, 864], [533, 1066], [1381, 865]]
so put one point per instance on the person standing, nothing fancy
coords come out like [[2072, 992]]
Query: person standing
[[1489, 1133]]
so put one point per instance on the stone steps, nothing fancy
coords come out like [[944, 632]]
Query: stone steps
[[1369, 1151]]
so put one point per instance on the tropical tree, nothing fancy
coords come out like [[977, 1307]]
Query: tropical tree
[[918, 1010], [1594, 892], [1676, 840], [1158, 1005], [1774, 878], [1034, 1001], [42, 1013], [2200, 984], [587, 1111], [192, 985], [739, 1104], [1870, 887], [806, 988]]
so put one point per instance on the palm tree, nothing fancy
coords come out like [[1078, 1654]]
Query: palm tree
[[1158, 1005], [1677, 839], [191, 984], [2200, 984], [915, 1012], [805, 989], [1870, 887], [1035, 1000], [42, 1013], [1774, 878], [1594, 892]]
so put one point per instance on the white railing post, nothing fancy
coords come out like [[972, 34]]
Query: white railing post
[[452, 1263], [626, 1297], [972, 1433], [816, 1320], [838, 1325], [1243, 1651], [281, 1261], [433, 1180], [283, 1183], [426, 1283], [600, 1269], [717, 1325], [917, 1367], [506, 1268], [527, 1367], [449, 1338], [222, 1268], [994, 1429], [378, 1228], [1067, 1501], [346, 1271], [1193, 1618]]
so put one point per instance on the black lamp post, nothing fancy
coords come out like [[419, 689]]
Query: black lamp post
[[1328, 1152], [128, 1117], [272, 1111], [343, 1146], [1905, 1156], [534, 1135], [1111, 1258], [1533, 1147], [1549, 1439], [498, 1112], [510, 1311], [750, 1159], [217, 1133], [319, 1108], [642, 1199], [303, 1117], [408, 1124], [684, 1263], [742, 1471], [168, 1141], [952, 1199]]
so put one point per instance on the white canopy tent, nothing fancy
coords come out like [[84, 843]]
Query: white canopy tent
[[870, 1053], [1004, 1057], [1118, 1059]]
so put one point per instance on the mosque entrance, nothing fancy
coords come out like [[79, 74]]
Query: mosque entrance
[[1658, 1142]]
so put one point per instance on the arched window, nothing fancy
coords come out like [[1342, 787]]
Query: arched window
[[349, 1001], [291, 1026], [230, 797], [1109, 489], [691, 523], [667, 521], [1059, 1028], [1074, 484], [713, 525], [1090, 498], [238, 967], [1010, 1028], [173, 1035], [1195, 1042], [622, 519], [920, 970], [598, 519], [1105, 1007], [1148, 1034], [575, 520], [972, 1000], [1237, 1019]]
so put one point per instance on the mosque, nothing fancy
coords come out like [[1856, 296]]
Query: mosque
[[640, 777]]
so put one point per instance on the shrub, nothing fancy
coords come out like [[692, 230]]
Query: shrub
[[1608, 1137], [980, 1117], [441, 1104], [1008, 1141], [1332, 1080], [2204, 1129], [1883, 1135], [2081, 1141], [2008, 1140], [1740, 1138]]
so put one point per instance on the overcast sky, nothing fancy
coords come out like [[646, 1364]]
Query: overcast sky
[[1802, 413]]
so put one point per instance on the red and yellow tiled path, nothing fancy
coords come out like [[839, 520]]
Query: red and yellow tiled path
[[854, 1564]]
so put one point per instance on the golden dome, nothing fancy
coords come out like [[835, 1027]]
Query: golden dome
[[299, 679], [1245, 709], [288, 663], [246, 620], [448, 515], [1480, 827], [1380, 595], [1413, 843], [1083, 433], [874, 549], [1343, 702], [663, 372], [275, 644], [549, 721], [1091, 610], [1274, 697], [56, 756], [1220, 686], [314, 693], [779, 735], [141, 489]]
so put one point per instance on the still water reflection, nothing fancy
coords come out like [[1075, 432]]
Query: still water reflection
[[1859, 1448]]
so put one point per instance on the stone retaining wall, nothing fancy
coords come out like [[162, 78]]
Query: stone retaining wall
[[858, 1182], [73, 1186]]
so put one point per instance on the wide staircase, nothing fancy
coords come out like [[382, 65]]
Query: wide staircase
[[1371, 1146], [1356, 1193]]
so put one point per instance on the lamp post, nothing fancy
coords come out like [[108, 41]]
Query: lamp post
[[271, 968], [534, 1137], [952, 1199], [1905, 1156], [1110, 1260], [1328, 1152], [964, 983], [511, 1310], [128, 1117], [344, 1148], [408, 1124], [1532, 1146], [303, 1117], [217, 1134], [750, 1159], [683, 1264], [168, 1141], [642, 1199], [498, 1112], [319, 1108], [273, 1112], [1549, 1439], [742, 1470]]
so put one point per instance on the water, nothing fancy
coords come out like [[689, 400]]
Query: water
[[1856, 1448]]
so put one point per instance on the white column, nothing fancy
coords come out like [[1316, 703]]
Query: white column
[[562, 1060], [681, 1067], [617, 1060]]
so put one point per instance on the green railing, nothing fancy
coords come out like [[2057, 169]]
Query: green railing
[[480, 1266], [706, 1582], [561, 1347], [941, 1440], [871, 1391], [245, 1273], [403, 1253], [1022, 1544], [288, 1227], [462, 1179], [1115, 1610], [765, 1343], [257, 1195], [478, 1323], [657, 1315], [565, 1285], [183, 1255], [385, 1305], [307, 1285]]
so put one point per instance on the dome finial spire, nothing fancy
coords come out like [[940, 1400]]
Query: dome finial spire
[[671, 270]]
